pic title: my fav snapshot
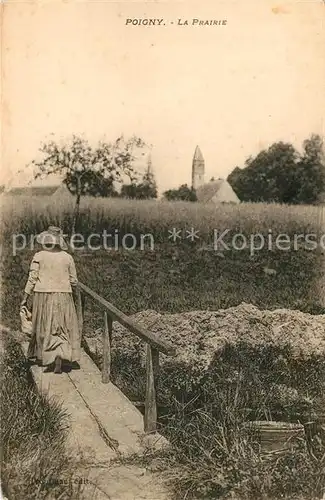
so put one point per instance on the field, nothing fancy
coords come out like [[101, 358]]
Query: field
[[180, 275], [30, 215], [210, 459]]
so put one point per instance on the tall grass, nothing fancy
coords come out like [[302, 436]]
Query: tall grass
[[29, 215], [34, 462], [213, 458]]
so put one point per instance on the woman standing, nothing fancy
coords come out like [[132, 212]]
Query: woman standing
[[52, 278]]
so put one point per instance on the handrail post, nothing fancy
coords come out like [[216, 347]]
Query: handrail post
[[107, 342], [152, 365]]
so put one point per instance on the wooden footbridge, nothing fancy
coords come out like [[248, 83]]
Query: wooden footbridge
[[105, 427]]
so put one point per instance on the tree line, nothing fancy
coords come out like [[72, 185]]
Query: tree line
[[282, 174], [277, 174]]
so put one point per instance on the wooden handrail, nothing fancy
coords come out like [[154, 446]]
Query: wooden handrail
[[154, 346], [122, 318]]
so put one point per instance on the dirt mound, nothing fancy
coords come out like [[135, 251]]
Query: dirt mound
[[199, 335], [273, 362]]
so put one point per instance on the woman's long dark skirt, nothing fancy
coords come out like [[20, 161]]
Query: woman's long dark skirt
[[55, 329]]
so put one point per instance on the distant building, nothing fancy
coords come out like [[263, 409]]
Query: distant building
[[215, 191], [219, 191], [56, 190], [62, 190]]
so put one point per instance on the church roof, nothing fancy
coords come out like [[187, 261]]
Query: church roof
[[218, 191], [33, 191], [198, 154], [38, 190]]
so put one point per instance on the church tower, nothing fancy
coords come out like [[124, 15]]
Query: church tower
[[197, 169], [149, 165]]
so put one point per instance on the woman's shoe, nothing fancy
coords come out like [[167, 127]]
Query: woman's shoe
[[66, 366], [58, 365], [32, 361]]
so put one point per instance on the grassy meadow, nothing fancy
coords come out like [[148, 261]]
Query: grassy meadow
[[165, 275], [209, 458]]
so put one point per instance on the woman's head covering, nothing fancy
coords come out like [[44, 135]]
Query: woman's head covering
[[53, 236]]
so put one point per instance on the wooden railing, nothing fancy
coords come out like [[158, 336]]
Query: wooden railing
[[154, 346]]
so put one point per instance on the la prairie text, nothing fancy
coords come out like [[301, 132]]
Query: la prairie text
[[178, 22]]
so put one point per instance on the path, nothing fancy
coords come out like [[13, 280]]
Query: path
[[104, 426]]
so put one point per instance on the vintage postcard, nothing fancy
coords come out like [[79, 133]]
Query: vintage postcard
[[162, 250]]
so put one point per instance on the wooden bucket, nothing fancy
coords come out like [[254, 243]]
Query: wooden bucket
[[315, 426], [276, 436]]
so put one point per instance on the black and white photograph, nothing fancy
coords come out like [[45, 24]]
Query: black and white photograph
[[162, 194]]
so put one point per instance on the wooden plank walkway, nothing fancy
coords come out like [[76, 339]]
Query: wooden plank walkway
[[104, 426]]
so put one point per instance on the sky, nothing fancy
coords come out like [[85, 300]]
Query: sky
[[73, 67]]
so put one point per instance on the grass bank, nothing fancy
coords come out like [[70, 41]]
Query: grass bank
[[34, 461], [179, 278], [210, 460], [174, 276]]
